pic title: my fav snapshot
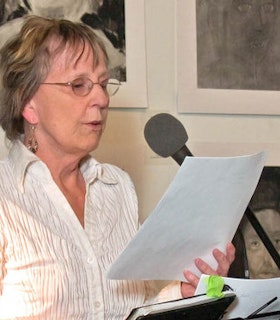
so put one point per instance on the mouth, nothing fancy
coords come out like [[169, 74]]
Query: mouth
[[95, 125], [258, 41], [258, 44]]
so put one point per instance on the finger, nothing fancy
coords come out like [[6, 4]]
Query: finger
[[203, 267], [191, 278], [230, 252], [223, 262], [187, 290]]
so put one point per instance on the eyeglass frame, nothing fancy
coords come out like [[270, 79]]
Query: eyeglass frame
[[89, 87]]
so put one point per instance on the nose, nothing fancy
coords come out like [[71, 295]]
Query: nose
[[99, 96], [257, 18]]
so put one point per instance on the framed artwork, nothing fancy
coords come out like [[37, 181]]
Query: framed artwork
[[253, 259], [120, 24], [228, 60]]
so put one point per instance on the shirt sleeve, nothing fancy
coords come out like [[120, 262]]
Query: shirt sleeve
[[154, 294], [170, 292]]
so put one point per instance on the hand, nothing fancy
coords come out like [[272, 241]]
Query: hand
[[224, 262]]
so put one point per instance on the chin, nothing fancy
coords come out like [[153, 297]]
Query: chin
[[93, 146]]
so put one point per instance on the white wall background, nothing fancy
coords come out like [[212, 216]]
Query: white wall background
[[123, 143]]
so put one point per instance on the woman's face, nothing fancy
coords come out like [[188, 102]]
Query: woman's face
[[250, 27], [68, 124], [261, 264]]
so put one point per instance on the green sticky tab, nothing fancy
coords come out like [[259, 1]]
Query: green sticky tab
[[214, 286]]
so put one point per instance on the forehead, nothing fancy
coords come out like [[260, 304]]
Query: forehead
[[70, 55], [268, 218]]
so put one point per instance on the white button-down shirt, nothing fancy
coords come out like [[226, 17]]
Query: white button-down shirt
[[52, 268]]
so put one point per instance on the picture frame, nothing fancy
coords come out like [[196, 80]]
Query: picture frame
[[190, 98], [133, 92], [131, 57]]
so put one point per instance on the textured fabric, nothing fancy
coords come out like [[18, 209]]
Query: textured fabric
[[52, 268]]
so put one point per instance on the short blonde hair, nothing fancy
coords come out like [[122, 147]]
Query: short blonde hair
[[26, 59]]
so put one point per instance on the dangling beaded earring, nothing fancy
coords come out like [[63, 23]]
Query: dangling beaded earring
[[32, 143]]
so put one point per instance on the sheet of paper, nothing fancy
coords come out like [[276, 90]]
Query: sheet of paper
[[200, 210], [251, 294]]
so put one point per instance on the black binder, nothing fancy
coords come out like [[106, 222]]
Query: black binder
[[208, 309]]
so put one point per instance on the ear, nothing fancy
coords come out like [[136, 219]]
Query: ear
[[29, 112]]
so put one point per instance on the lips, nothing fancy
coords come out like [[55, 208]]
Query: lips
[[95, 125], [258, 40]]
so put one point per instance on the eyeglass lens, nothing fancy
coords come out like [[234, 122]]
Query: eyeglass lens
[[82, 86]]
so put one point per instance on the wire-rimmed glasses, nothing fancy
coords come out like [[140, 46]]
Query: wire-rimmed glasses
[[82, 86]]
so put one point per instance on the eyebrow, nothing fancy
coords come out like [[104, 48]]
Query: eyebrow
[[105, 75]]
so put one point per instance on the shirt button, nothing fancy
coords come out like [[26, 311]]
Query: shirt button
[[90, 260], [97, 304]]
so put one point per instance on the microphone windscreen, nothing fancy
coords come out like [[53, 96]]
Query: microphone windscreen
[[165, 134]]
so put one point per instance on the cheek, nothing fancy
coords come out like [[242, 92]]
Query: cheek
[[57, 109], [58, 121], [254, 262]]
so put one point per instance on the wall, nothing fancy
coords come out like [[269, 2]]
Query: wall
[[209, 135]]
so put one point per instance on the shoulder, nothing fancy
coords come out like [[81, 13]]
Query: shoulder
[[113, 171], [114, 175]]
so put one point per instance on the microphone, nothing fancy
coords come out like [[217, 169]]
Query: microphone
[[166, 136]]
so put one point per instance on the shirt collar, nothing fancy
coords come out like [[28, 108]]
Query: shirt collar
[[21, 159], [92, 170]]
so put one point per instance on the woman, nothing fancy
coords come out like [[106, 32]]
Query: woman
[[64, 217]]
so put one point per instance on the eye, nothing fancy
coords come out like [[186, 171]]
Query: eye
[[104, 84], [267, 8], [79, 83], [254, 244], [246, 7]]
